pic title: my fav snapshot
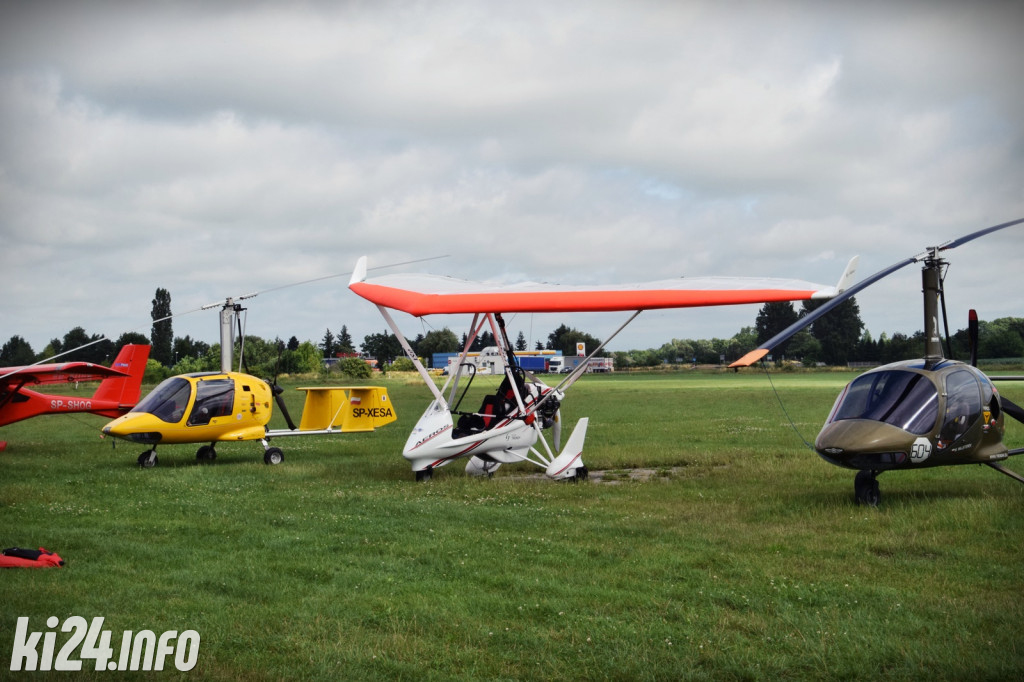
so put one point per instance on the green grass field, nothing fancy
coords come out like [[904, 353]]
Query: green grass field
[[741, 556]]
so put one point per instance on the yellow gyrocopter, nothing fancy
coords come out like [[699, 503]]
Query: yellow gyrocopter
[[217, 407]]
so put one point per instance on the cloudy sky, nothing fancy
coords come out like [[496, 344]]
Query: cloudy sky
[[216, 149]]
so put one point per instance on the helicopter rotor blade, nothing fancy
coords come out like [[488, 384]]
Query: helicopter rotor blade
[[763, 350]]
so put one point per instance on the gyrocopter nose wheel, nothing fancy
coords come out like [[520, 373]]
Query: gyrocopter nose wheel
[[865, 488]]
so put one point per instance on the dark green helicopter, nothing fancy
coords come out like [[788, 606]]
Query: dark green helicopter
[[917, 413]]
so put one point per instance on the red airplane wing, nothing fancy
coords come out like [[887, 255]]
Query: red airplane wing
[[57, 373]]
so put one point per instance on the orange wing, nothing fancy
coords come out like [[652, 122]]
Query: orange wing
[[420, 295]]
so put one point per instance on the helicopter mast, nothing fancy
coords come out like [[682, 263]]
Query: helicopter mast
[[932, 285]]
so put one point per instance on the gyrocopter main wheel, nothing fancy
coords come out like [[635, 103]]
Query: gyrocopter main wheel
[[273, 456]]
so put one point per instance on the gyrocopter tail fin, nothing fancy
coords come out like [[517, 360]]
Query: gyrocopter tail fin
[[569, 464]]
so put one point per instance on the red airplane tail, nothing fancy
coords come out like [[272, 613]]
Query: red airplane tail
[[125, 391]]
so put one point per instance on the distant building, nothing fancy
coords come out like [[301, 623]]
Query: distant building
[[489, 360]]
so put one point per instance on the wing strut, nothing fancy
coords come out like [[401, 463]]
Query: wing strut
[[582, 367], [411, 354], [454, 377], [511, 362]]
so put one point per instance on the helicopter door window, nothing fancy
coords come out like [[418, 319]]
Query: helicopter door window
[[963, 404], [214, 398], [167, 401]]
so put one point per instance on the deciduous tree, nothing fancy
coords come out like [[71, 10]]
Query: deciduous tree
[[565, 338], [16, 352], [772, 319], [838, 331], [384, 347], [438, 341], [162, 334]]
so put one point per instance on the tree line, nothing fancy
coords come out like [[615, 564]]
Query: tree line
[[835, 339]]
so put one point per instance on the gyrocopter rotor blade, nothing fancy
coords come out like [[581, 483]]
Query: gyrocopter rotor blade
[[1013, 409], [953, 243], [228, 301], [305, 281], [758, 353]]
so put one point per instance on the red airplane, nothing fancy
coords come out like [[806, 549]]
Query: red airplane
[[119, 390]]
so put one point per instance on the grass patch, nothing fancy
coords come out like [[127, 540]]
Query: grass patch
[[741, 555]]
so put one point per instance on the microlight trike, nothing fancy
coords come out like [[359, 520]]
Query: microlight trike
[[509, 426]]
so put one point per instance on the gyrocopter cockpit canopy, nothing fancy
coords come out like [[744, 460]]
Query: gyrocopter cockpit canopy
[[902, 398], [912, 400]]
